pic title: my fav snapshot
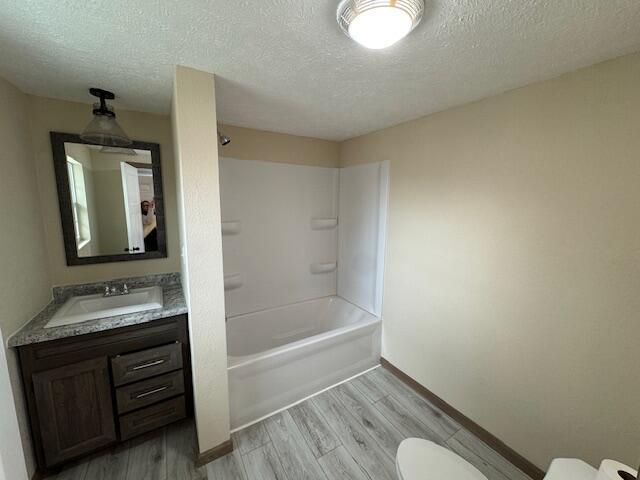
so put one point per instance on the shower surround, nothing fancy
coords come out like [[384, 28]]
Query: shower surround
[[303, 261]]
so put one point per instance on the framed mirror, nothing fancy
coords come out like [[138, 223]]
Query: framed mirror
[[111, 200]]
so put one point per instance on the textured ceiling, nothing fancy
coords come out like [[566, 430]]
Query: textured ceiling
[[284, 65]]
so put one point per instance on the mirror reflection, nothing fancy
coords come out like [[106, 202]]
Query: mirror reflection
[[112, 200]]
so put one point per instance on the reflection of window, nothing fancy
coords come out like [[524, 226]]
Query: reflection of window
[[78, 202]]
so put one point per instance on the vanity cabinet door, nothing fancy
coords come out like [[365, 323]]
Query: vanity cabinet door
[[74, 408]]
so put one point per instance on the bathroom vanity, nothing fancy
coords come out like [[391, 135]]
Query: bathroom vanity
[[95, 384], [105, 362]]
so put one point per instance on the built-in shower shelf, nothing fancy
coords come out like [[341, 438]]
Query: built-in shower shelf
[[323, 223], [233, 281], [326, 267], [231, 228]]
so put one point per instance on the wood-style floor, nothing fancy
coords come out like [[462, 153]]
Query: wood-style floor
[[349, 432]]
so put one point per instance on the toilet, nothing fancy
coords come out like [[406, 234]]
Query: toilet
[[419, 459]]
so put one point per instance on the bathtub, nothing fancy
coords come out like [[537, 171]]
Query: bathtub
[[280, 356]]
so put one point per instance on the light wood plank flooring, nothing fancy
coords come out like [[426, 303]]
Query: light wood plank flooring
[[162, 455], [349, 432]]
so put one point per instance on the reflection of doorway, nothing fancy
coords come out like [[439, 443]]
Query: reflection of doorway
[[133, 214], [148, 207], [145, 179]]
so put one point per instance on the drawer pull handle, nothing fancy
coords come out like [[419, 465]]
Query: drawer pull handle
[[151, 392], [147, 365]]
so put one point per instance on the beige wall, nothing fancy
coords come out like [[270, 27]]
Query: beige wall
[[62, 116], [24, 280], [112, 218], [193, 116], [249, 144], [513, 261]]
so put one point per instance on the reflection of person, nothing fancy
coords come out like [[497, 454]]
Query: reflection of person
[[149, 225]]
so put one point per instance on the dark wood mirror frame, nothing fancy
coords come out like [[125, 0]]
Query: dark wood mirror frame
[[58, 140]]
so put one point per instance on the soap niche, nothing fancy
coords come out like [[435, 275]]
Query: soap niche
[[233, 281], [323, 267], [231, 228], [324, 223]]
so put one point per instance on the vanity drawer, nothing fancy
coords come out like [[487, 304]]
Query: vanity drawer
[[146, 363], [146, 392], [152, 417]]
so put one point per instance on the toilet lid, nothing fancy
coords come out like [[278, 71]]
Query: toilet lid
[[419, 459]]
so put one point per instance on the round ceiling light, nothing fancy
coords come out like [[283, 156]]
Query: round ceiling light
[[379, 24]]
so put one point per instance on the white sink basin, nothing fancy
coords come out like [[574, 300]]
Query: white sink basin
[[91, 307]]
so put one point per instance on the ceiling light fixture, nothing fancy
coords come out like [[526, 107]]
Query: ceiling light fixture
[[103, 128], [379, 24]]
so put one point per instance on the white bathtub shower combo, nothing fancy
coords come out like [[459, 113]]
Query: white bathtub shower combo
[[303, 258]]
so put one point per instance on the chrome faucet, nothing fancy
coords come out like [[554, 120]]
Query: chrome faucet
[[113, 290]]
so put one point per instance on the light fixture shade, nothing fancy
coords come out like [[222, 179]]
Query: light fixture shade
[[119, 150], [379, 24], [104, 130]]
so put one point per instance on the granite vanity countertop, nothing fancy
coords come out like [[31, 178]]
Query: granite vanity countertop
[[34, 331]]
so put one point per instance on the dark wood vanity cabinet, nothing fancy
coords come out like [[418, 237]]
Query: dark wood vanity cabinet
[[92, 391], [74, 409]]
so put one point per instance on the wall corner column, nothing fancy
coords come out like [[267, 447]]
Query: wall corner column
[[194, 125]]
